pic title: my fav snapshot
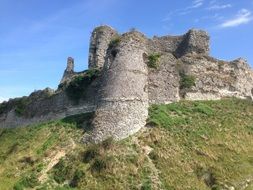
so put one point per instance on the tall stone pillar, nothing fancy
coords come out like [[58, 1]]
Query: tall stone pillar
[[123, 97], [69, 71], [99, 42]]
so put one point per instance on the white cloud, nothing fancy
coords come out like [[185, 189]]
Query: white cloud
[[2, 99], [218, 7], [187, 10], [244, 16], [196, 4]]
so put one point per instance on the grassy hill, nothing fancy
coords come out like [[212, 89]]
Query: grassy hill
[[185, 146]]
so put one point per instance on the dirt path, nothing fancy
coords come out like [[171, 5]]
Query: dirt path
[[54, 158]]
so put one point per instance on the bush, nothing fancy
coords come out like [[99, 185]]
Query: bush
[[3, 108], [77, 178], [76, 88], [187, 81], [153, 155], [91, 153], [21, 105], [62, 172], [153, 60], [99, 164], [114, 42]]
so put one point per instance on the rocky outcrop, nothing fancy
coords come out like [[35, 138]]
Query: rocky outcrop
[[134, 72]]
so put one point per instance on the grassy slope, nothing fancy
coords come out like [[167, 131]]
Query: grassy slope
[[191, 145]]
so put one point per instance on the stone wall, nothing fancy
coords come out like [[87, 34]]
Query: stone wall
[[128, 85], [217, 79], [163, 84], [46, 105]]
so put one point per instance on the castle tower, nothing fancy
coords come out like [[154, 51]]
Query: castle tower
[[99, 42]]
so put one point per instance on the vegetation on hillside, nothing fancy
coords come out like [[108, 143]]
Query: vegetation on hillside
[[76, 89], [185, 146]]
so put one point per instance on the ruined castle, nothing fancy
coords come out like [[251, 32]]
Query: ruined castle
[[127, 73]]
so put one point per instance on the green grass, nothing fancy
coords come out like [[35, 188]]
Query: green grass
[[193, 145], [212, 135], [22, 151]]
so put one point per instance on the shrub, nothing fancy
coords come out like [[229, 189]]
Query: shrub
[[153, 60], [153, 155], [76, 88], [91, 153], [3, 107], [99, 164], [62, 172], [114, 42], [187, 81], [21, 105], [77, 177]]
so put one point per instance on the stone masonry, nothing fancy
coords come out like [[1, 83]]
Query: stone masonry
[[127, 84]]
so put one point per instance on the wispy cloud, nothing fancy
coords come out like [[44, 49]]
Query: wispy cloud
[[244, 16], [196, 4], [2, 99], [187, 10], [219, 6]]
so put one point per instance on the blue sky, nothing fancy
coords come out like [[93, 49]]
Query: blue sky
[[36, 36]]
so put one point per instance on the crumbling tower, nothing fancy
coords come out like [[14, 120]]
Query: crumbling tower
[[69, 71], [99, 42], [122, 98]]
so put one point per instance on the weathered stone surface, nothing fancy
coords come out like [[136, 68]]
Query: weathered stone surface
[[121, 95], [123, 98], [163, 84], [194, 42], [69, 71], [99, 42], [216, 79]]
